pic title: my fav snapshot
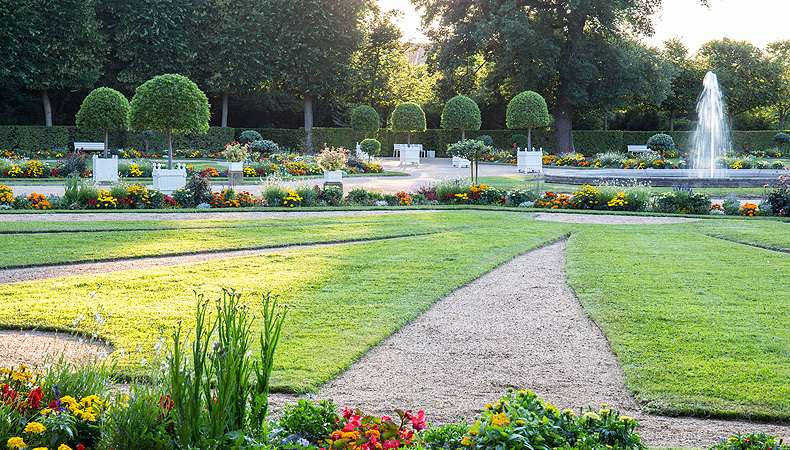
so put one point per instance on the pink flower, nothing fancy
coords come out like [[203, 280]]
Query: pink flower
[[418, 421], [347, 413], [392, 443]]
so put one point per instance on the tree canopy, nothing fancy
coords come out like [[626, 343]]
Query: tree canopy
[[408, 117], [461, 112], [104, 109], [526, 110], [365, 119]]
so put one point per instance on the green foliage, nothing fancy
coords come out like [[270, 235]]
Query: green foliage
[[662, 143], [779, 197], [249, 136], [305, 420], [200, 187], [170, 102], [365, 119], [445, 437], [471, 149], [140, 425], [269, 337], [461, 112], [518, 140], [408, 117], [751, 441], [527, 109], [370, 146], [485, 139], [264, 147], [104, 108]]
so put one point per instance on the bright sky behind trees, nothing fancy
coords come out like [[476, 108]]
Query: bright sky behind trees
[[758, 22]]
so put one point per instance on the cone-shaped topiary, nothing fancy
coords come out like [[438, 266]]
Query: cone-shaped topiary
[[170, 103], [408, 117], [104, 109], [461, 112], [526, 110], [365, 119]]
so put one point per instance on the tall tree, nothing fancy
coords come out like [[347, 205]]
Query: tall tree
[[747, 78], [311, 47], [150, 38], [779, 53], [550, 45], [52, 44], [686, 82], [232, 59]]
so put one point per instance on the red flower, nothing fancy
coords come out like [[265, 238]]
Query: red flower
[[418, 421], [347, 413], [392, 443], [80, 447]]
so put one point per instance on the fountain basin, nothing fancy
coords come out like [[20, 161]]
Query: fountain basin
[[665, 177]]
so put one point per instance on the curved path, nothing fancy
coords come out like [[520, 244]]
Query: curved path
[[519, 326]]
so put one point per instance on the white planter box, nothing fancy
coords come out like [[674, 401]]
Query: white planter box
[[168, 180], [333, 176], [105, 170], [410, 155], [234, 166], [461, 162], [529, 161]]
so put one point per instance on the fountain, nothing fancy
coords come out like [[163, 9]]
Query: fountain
[[711, 138]]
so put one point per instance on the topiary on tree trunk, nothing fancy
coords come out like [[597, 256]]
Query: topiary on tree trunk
[[104, 109], [408, 117], [526, 110], [170, 103], [365, 119], [461, 112], [661, 143]]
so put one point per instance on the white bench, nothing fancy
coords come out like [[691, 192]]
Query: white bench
[[399, 147], [89, 146], [638, 149]]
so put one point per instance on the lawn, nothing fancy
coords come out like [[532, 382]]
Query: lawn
[[697, 315]]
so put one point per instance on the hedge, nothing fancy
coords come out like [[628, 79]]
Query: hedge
[[32, 138]]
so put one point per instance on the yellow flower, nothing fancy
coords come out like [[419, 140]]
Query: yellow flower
[[466, 440], [35, 427], [590, 415], [40, 448], [64, 447], [16, 442]]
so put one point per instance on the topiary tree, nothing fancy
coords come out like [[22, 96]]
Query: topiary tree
[[461, 112], [471, 149], [104, 109], [661, 143], [365, 119], [485, 139], [408, 117], [170, 103], [519, 140], [248, 136], [526, 110], [370, 146], [783, 139]]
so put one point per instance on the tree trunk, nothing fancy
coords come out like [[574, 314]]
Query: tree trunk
[[472, 170], [563, 108], [781, 120], [308, 122], [463, 134], [606, 123], [529, 138], [169, 149], [477, 170], [47, 108], [106, 141], [408, 138], [671, 119], [563, 118], [224, 109]]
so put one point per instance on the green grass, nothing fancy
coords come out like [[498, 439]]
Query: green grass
[[343, 299], [700, 325], [138, 239]]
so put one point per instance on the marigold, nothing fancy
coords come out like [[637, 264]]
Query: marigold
[[35, 427], [16, 443]]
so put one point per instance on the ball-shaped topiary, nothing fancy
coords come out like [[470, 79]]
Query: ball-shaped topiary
[[248, 136], [461, 112], [485, 139], [370, 146], [264, 147], [526, 110], [365, 119], [104, 109], [783, 139], [518, 140], [171, 103], [661, 143], [408, 117]]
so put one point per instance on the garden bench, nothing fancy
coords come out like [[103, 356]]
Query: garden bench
[[638, 149], [399, 147], [89, 146]]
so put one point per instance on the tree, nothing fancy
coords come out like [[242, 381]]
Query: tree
[[471, 149], [365, 119], [686, 81], [526, 110], [461, 112], [661, 143], [553, 46], [311, 47], [232, 59], [408, 117], [104, 109], [170, 103], [779, 53], [53, 45], [746, 77]]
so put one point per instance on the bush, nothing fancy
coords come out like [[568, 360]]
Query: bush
[[370, 146], [365, 119], [661, 143], [519, 140], [307, 421], [485, 139], [264, 147], [201, 190], [461, 112], [779, 197], [74, 164], [783, 139], [751, 441], [446, 437], [731, 205], [249, 136]]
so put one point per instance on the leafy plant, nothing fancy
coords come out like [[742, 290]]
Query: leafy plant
[[750, 441], [731, 205], [445, 437], [661, 143], [138, 421], [307, 421], [365, 119], [370, 146], [249, 136], [779, 197], [526, 110], [200, 188], [472, 149], [264, 147], [269, 337], [408, 117], [461, 112], [104, 109]]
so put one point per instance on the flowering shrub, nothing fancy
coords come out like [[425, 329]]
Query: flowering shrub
[[14, 172], [6, 195], [37, 169], [332, 158], [236, 152], [749, 209], [360, 432], [779, 197], [586, 197], [38, 201], [209, 172], [106, 201], [291, 199], [404, 199]]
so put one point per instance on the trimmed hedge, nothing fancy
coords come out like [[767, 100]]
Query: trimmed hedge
[[32, 138]]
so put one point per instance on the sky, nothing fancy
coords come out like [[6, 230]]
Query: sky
[[758, 22]]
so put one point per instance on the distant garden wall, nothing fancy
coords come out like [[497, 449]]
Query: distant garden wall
[[28, 138]]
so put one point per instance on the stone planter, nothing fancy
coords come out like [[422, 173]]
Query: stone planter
[[333, 176], [105, 170], [168, 180]]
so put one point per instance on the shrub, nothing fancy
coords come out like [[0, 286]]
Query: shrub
[[661, 143], [329, 196], [779, 197], [184, 197], [307, 421], [609, 159], [519, 140], [273, 194], [751, 441], [104, 109], [365, 119], [731, 205], [249, 136], [446, 437], [370, 146], [264, 147], [75, 164], [408, 117], [485, 139], [471, 149], [461, 112], [200, 188], [783, 139]]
